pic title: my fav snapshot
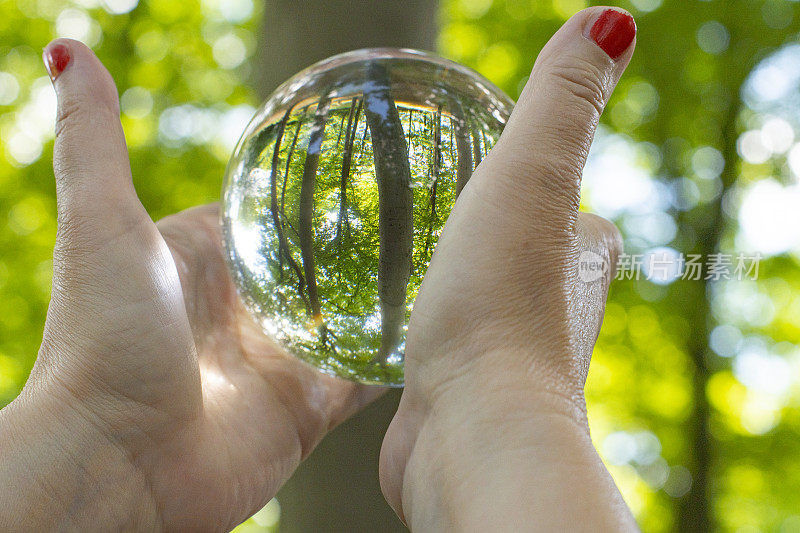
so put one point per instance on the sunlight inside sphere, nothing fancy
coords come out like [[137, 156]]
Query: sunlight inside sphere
[[252, 242], [337, 193]]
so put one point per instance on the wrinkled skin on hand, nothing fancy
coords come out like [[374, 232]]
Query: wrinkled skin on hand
[[179, 409], [157, 403], [491, 433]]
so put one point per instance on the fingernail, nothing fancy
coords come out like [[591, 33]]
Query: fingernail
[[56, 58], [613, 31]]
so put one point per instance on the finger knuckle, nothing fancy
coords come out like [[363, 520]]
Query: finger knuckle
[[83, 232], [528, 177], [583, 81], [80, 110]]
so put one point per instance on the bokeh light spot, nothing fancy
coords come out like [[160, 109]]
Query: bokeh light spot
[[713, 37], [118, 7]]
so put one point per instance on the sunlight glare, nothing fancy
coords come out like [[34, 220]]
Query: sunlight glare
[[777, 135], [769, 218], [249, 240], [615, 183]]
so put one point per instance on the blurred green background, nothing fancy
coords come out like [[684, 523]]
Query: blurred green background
[[693, 394]]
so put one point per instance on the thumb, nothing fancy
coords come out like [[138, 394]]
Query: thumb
[[539, 158], [600, 243], [116, 292], [598, 247], [95, 194]]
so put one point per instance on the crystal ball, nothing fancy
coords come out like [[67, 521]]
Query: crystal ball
[[336, 194]]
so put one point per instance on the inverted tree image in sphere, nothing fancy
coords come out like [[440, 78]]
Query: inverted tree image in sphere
[[337, 192]]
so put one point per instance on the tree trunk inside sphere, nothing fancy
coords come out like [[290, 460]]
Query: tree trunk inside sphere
[[395, 201]]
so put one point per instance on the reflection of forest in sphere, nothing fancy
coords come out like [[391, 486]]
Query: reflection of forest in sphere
[[337, 193]]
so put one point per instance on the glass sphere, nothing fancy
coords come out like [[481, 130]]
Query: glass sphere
[[336, 195]]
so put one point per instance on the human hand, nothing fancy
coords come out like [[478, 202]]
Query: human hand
[[155, 401], [491, 433]]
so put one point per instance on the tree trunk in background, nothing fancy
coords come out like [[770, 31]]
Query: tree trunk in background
[[697, 507], [297, 33], [395, 218], [337, 488]]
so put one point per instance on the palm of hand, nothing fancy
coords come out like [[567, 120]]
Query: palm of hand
[[214, 416]]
